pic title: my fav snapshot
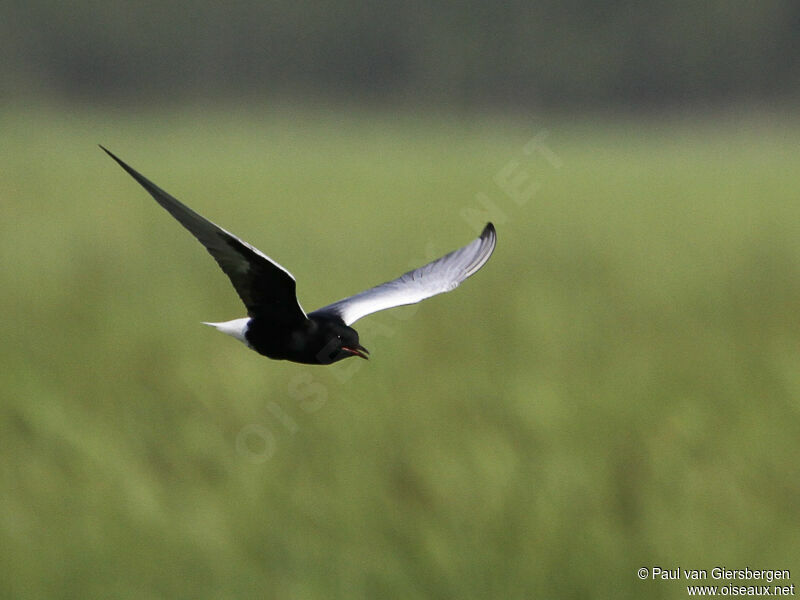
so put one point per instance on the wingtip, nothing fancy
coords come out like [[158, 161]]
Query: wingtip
[[489, 239], [130, 170], [109, 152]]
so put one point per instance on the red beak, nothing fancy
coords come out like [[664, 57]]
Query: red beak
[[359, 350]]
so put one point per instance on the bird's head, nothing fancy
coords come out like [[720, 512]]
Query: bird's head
[[339, 342]]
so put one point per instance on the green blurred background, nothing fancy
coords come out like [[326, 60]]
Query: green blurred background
[[618, 388]]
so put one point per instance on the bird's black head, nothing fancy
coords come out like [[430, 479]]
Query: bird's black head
[[338, 341]]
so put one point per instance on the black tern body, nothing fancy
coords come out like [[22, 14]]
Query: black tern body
[[276, 325]]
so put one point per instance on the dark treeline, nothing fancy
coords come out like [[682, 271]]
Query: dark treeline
[[545, 53]]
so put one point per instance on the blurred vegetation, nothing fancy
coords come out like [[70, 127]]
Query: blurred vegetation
[[617, 388], [550, 53]]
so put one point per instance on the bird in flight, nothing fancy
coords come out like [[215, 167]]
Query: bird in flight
[[276, 325]]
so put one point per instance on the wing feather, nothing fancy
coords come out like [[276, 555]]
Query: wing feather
[[265, 287], [437, 277]]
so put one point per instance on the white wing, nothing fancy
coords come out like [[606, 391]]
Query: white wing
[[437, 277]]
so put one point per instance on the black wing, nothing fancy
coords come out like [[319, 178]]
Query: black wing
[[266, 288]]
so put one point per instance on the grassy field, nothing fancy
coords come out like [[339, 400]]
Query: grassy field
[[618, 388]]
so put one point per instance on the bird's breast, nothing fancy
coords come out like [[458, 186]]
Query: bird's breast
[[282, 341]]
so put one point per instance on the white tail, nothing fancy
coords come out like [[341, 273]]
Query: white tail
[[236, 328]]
